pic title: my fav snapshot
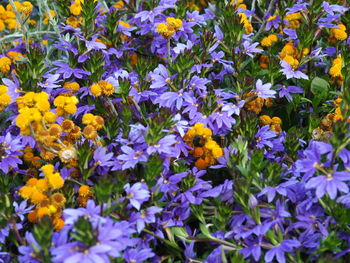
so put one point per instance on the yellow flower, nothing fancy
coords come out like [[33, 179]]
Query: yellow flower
[[73, 21], [96, 90], [75, 9], [276, 120], [42, 211], [26, 8], [5, 100], [90, 132], [58, 199], [98, 122], [42, 185], [47, 169], [106, 87], [84, 190], [58, 223], [74, 86], [265, 120], [88, 118], [165, 31], [26, 191], [47, 17], [174, 23], [70, 108], [49, 117], [32, 181], [217, 152], [5, 64], [37, 197], [55, 180], [59, 101]]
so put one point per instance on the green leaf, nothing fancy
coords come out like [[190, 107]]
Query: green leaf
[[319, 87], [205, 231], [179, 232]]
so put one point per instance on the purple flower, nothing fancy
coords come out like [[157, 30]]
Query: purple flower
[[160, 77], [29, 252], [312, 158], [290, 72], [231, 108], [165, 145], [22, 209], [50, 82], [264, 90], [286, 90], [296, 8], [145, 217], [292, 34], [331, 9], [9, 150], [249, 48], [330, 183], [67, 71], [174, 99], [278, 251], [131, 157], [272, 22], [91, 211], [263, 137], [137, 194], [101, 158], [137, 256]]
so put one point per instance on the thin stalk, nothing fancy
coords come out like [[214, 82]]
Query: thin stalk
[[168, 50]]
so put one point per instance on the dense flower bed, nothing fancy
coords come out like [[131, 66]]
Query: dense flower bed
[[174, 131]]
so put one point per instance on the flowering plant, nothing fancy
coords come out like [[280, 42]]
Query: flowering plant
[[174, 131]]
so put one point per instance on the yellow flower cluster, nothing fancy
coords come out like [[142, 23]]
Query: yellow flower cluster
[[293, 20], [102, 88], [335, 70], [42, 193], [75, 9], [85, 194], [119, 4], [5, 65], [30, 158], [291, 55], [65, 104], [257, 104], [248, 28], [204, 147], [264, 61], [35, 119], [327, 123], [46, 20], [338, 34], [93, 124], [168, 29], [274, 122], [32, 107], [269, 40], [5, 98], [73, 87]]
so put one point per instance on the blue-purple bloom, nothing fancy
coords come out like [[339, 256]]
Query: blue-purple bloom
[[285, 91], [280, 250], [264, 90], [330, 183], [9, 151], [130, 157], [290, 72], [263, 137], [137, 194]]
